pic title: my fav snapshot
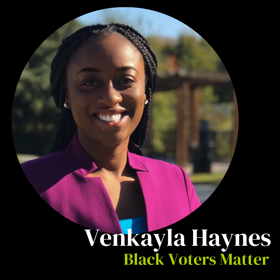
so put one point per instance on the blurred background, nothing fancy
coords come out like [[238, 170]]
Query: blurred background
[[194, 118]]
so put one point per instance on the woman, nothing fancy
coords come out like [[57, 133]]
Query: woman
[[102, 79]]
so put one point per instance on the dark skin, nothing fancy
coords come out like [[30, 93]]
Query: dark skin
[[106, 77]]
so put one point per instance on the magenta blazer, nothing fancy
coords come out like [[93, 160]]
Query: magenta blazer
[[60, 179]]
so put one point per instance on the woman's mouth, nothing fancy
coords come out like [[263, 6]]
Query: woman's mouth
[[110, 118]]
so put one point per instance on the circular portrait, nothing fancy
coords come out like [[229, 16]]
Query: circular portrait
[[124, 120]]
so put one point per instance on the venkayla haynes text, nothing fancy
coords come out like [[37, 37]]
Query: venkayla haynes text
[[199, 238]]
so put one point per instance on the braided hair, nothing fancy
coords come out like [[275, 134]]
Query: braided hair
[[67, 126]]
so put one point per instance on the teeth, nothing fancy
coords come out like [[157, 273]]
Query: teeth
[[112, 118]]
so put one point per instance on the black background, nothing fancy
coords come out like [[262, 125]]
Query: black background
[[38, 237]]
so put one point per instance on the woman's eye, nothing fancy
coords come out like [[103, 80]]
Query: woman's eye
[[89, 83], [127, 81]]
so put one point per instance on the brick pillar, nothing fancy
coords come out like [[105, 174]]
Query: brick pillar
[[195, 116], [183, 124], [235, 122]]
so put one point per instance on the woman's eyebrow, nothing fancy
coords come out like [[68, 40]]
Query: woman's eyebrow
[[96, 70], [126, 68], [91, 69]]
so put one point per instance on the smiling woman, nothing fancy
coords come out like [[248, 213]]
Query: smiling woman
[[102, 79], [106, 82]]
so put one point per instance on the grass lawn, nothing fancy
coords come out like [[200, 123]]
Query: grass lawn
[[206, 178]]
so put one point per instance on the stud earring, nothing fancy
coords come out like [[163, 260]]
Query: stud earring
[[65, 105], [146, 102]]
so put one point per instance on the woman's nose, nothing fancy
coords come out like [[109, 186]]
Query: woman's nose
[[109, 96]]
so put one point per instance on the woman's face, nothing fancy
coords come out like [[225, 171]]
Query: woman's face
[[106, 89]]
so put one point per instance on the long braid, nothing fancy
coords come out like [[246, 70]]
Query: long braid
[[67, 126]]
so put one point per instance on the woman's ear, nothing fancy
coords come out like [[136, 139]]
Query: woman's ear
[[146, 101], [67, 100]]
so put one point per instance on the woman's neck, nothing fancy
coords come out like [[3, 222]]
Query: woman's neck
[[113, 159]]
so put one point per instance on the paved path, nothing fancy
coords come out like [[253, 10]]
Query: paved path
[[204, 191]]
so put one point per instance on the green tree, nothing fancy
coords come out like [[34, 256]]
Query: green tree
[[192, 55], [196, 54], [164, 121], [34, 115]]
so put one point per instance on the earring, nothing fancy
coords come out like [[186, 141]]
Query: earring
[[146, 102], [65, 105]]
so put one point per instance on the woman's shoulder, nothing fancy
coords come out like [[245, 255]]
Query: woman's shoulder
[[43, 161], [45, 169], [158, 164], [171, 175]]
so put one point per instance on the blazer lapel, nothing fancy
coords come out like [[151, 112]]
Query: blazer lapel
[[152, 201], [150, 192], [148, 181]]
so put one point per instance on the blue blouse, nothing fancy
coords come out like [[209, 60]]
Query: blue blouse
[[137, 225]]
